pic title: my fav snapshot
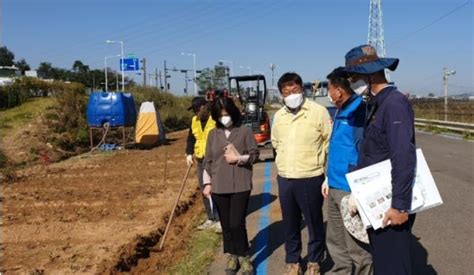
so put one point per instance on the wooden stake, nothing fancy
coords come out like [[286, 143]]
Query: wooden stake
[[162, 241]]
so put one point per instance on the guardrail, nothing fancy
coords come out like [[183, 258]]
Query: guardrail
[[459, 127]]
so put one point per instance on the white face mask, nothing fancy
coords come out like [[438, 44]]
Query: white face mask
[[359, 87], [330, 99], [226, 121], [294, 101]]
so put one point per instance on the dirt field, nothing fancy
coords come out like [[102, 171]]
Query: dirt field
[[97, 213]]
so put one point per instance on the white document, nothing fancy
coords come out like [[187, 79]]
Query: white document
[[372, 188], [424, 181]]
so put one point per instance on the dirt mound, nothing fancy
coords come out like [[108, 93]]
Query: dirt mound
[[28, 144], [92, 213]]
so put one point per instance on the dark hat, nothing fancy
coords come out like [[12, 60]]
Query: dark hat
[[364, 60], [197, 102]]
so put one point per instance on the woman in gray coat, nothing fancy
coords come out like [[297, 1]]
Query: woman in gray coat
[[231, 151]]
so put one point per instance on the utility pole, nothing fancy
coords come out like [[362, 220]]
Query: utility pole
[[166, 78], [161, 83], [185, 80], [155, 76], [116, 82], [446, 75], [144, 71], [273, 67]]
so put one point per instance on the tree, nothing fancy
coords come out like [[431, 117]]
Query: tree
[[22, 66], [6, 57], [205, 79], [45, 70], [79, 67], [81, 73]]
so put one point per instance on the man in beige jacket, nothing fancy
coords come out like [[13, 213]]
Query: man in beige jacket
[[300, 136]]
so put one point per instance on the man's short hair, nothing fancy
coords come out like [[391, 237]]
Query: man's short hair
[[339, 78], [289, 78]]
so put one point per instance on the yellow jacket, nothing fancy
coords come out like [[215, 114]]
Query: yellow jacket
[[201, 135], [301, 141]]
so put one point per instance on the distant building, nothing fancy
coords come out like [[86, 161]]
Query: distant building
[[32, 73], [273, 95], [8, 74]]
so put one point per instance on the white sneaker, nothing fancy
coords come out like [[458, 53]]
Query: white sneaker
[[217, 227], [206, 225]]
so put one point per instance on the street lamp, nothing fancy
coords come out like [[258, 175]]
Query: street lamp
[[105, 69], [195, 74], [231, 66], [446, 74], [121, 61]]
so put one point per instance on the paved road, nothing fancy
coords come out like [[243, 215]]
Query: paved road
[[443, 244]]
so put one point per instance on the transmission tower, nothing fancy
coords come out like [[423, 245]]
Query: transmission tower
[[375, 36]]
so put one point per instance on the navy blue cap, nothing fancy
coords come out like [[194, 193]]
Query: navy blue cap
[[364, 60]]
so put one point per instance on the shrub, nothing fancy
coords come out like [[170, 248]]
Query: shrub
[[22, 89], [173, 110], [67, 119]]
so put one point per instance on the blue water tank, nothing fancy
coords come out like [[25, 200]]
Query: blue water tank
[[118, 109]]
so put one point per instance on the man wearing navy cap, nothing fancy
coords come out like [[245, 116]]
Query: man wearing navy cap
[[389, 134]]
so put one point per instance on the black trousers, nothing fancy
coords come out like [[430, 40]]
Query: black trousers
[[211, 213], [390, 247], [232, 210], [297, 197]]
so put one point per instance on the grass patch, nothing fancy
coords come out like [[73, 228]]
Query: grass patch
[[20, 115], [201, 248]]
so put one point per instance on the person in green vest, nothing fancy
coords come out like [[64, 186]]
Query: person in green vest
[[202, 123]]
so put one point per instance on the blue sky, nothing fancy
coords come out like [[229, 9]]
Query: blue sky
[[308, 37]]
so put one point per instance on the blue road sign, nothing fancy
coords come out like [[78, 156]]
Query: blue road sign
[[130, 64]]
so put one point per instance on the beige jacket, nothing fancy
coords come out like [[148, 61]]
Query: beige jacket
[[301, 141]]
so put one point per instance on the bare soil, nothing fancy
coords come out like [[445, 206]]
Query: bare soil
[[98, 213]]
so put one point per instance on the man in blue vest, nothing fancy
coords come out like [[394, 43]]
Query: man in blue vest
[[202, 123], [389, 134], [346, 137]]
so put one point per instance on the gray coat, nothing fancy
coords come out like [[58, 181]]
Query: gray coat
[[230, 178]]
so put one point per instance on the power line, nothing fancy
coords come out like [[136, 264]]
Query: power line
[[432, 23], [192, 33], [461, 87], [93, 39], [209, 31], [161, 30], [203, 17], [87, 45]]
